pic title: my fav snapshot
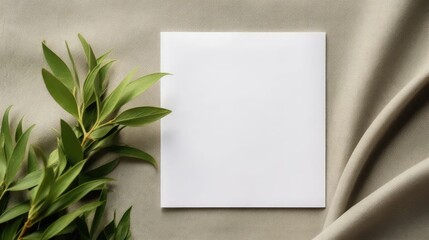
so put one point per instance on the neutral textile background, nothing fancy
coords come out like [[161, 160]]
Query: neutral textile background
[[373, 49]]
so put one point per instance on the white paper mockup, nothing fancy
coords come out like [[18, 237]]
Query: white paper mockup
[[248, 121]]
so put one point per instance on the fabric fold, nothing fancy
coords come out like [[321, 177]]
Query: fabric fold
[[377, 203], [368, 142]]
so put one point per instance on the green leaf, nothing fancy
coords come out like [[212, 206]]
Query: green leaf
[[11, 229], [140, 85], [111, 134], [4, 201], [74, 195], [33, 236], [141, 115], [17, 156], [29, 181], [89, 54], [71, 144], [43, 189], [101, 132], [18, 131], [102, 76], [41, 155], [102, 236], [60, 93], [82, 228], [123, 226], [104, 56], [33, 164], [76, 76], [5, 132], [65, 220], [99, 212], [90, 116], [64, 181], [14, 212], [97, 101], [69, 229], [62, 161], [108, 231], [127, 151], [103, 170], [53, 158], [58, 67], [106, 140], [90, 83], [3, 160], [111, 102]]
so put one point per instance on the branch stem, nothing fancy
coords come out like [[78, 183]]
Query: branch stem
[[24, 230]]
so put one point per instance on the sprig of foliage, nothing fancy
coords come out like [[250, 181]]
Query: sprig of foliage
[[53, 192]]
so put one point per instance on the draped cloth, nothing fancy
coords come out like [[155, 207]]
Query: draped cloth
[[377, 106]]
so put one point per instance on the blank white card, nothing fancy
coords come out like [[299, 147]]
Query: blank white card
[[248, 121]]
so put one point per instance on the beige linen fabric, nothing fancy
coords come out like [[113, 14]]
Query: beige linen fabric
[[375, 50]]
